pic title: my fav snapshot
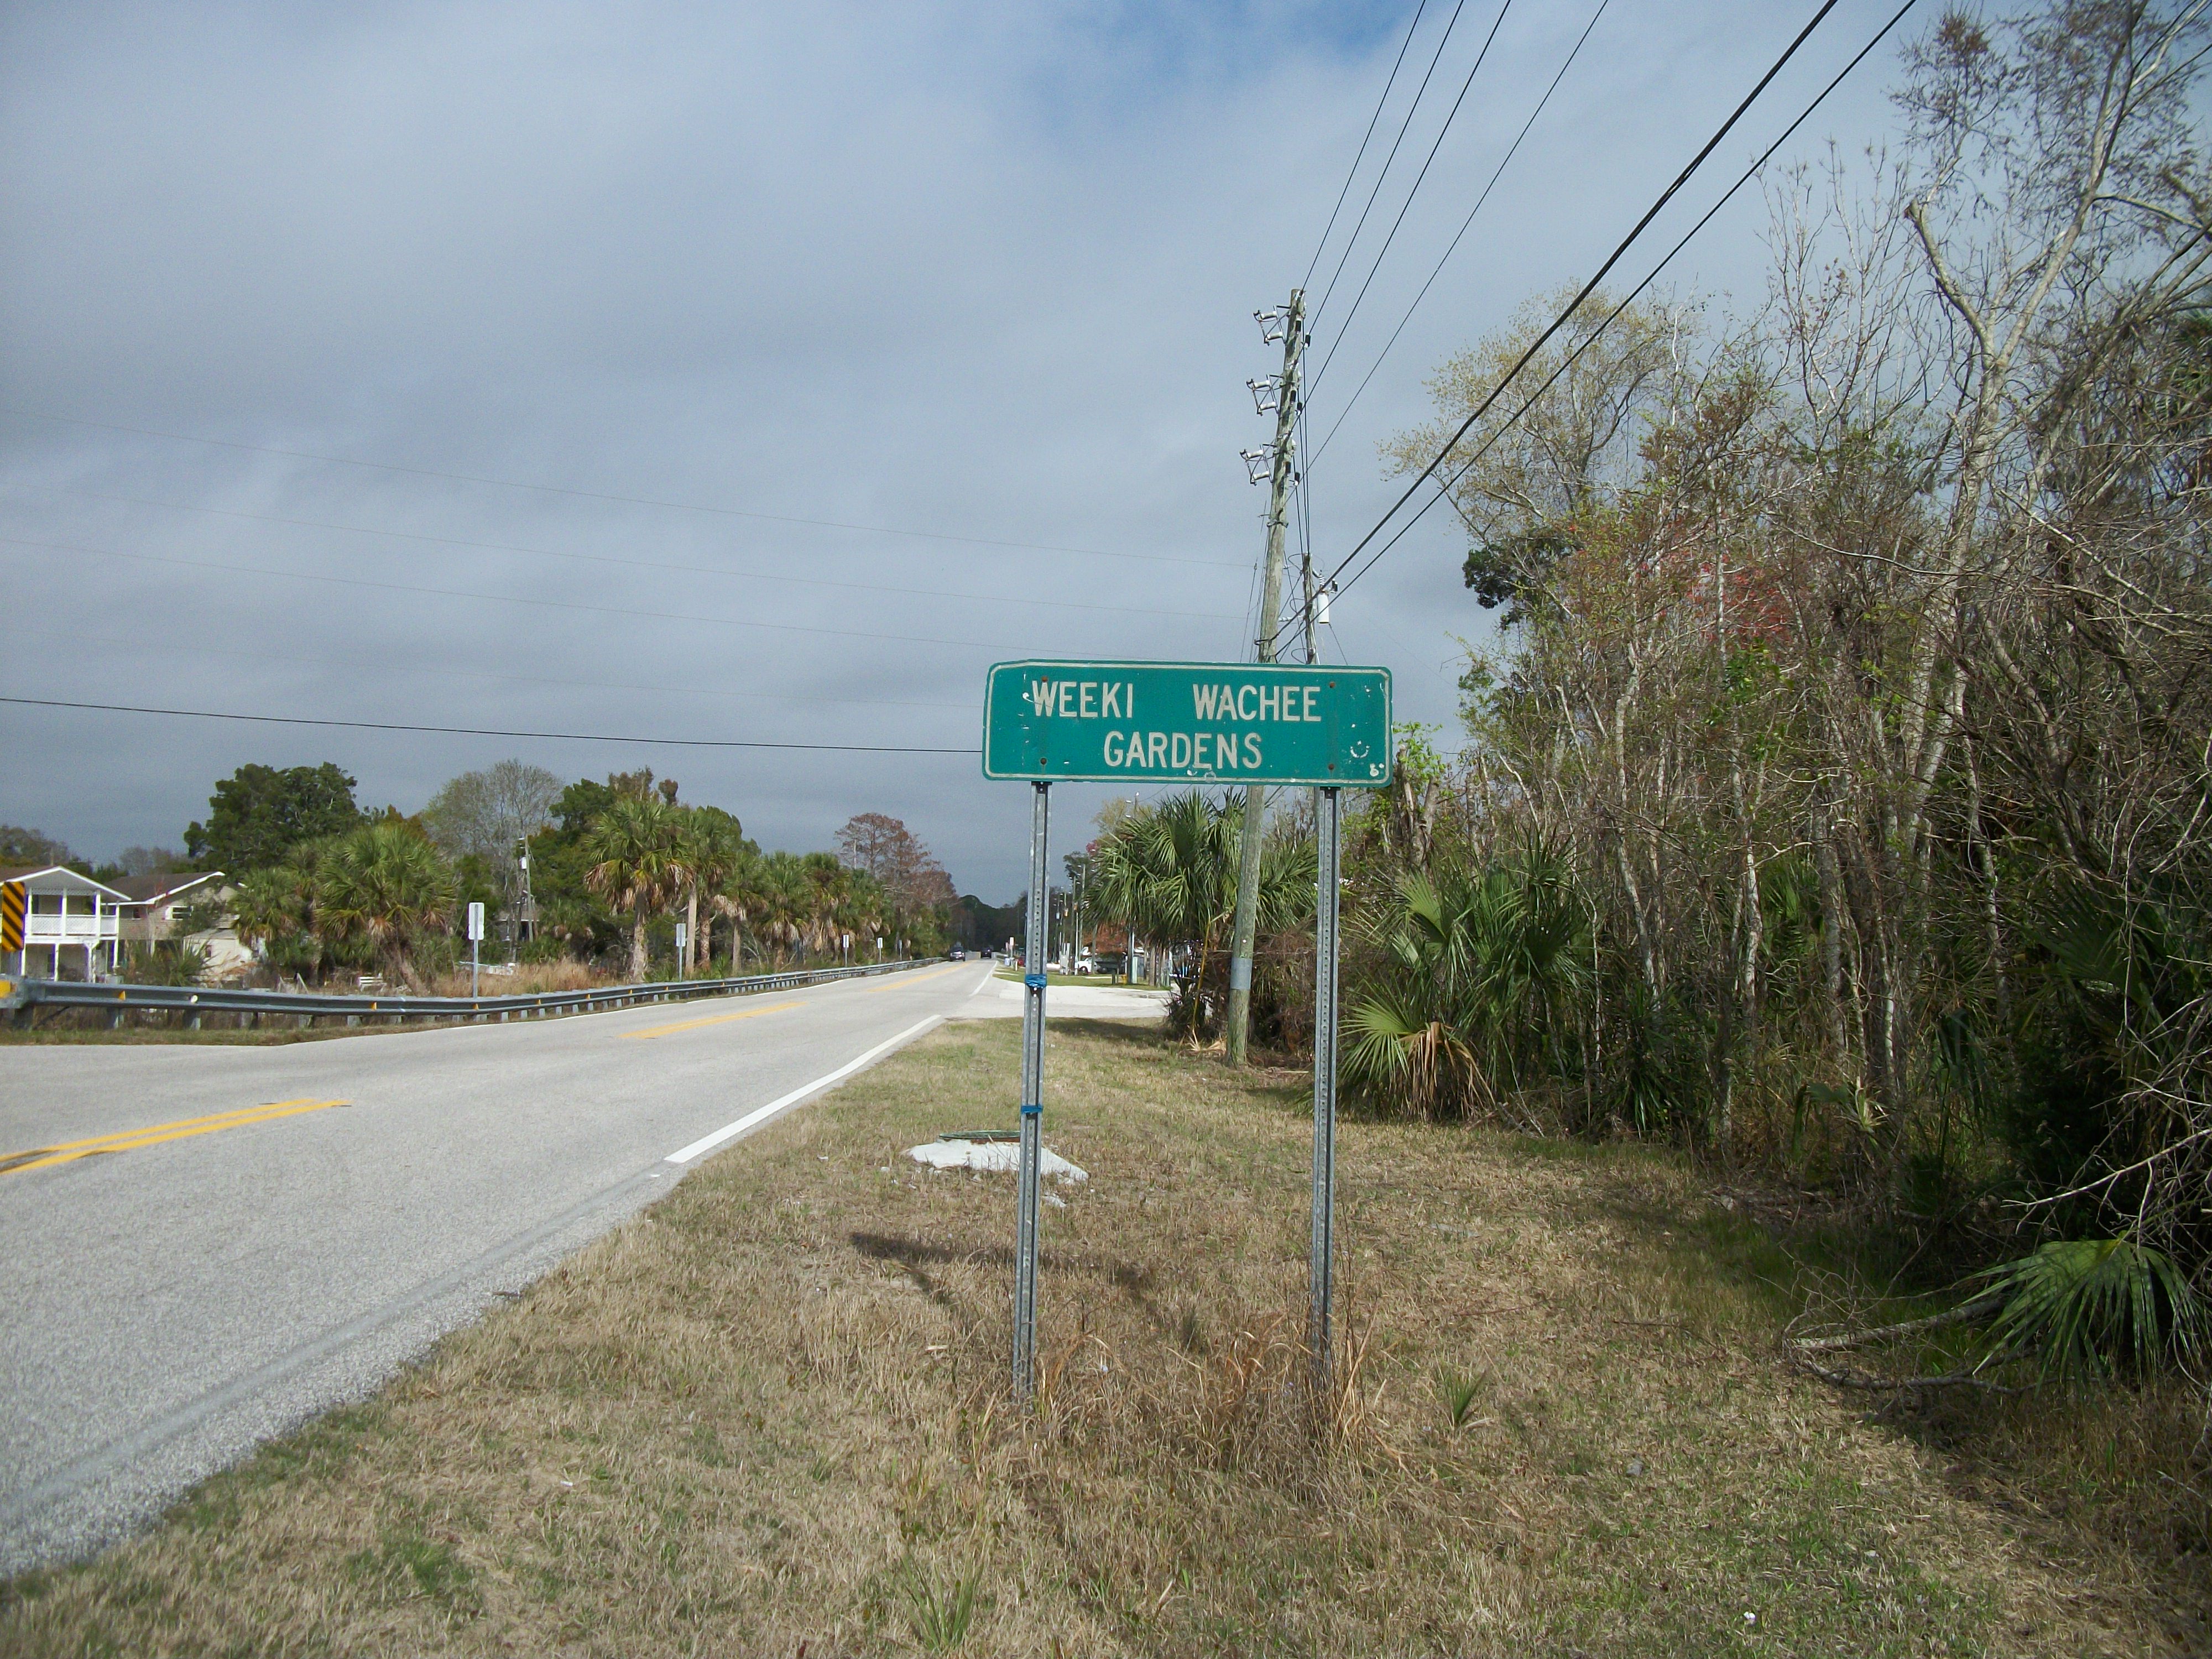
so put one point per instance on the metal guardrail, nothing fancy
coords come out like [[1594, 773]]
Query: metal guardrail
[[24, 998]]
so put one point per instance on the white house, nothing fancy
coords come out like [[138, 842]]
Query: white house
[[67, 913], [149, 903]]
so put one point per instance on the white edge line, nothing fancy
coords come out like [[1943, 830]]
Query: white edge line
[[700, 1148]]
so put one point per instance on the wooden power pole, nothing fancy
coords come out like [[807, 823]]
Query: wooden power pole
[[1271, 604]]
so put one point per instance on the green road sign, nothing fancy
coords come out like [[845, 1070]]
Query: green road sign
[[1188, 722]]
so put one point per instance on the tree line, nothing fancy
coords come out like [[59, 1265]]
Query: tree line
[[319, 885], [1833, 793]]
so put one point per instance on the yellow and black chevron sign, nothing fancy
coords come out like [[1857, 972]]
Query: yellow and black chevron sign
[[12, 900]]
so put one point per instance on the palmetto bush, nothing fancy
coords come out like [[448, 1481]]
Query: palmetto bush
[[384, 888], [2094, 1307], [1467, 1000]]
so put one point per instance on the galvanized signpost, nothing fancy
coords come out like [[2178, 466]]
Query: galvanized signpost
[[476, 941], [1194, 723]]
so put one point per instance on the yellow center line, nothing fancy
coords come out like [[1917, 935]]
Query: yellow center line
[[904, 979], [40, 1158], [712, 1019]]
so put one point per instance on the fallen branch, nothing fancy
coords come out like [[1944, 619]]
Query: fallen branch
[[1988, 1303], [1953, 1380]]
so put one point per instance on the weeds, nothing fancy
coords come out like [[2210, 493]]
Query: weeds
[[1460, 1395], [939, 1614]]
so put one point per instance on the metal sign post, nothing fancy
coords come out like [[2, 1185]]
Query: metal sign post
[[682, 948], [1033, 983], [1329, 831], [476, 941], [1202, 724]]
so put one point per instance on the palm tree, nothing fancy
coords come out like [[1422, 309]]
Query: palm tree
[[274, 912], [1169, 873], [827, 883], [635, 858], [719, 853], [779, 902], [385, 886], [865, 909]]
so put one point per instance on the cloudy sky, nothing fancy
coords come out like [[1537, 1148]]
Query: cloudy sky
[[751, 371]]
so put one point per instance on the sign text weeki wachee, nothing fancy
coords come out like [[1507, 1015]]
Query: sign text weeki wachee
[[1160, 721]]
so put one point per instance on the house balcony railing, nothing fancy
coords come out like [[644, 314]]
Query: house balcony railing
[[69, 930]]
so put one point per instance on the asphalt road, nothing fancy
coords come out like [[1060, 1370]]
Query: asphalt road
[[267, 1232]]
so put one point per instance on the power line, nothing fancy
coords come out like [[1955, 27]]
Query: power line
[[602, 495], [1589, 288], [1443, 489], [1361, 154], [490, 732], [1465, 224], [1420, 92], [1406, 206], [609, 558], [178, 647], [500, 599]]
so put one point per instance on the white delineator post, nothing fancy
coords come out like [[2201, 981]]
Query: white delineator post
[[1329, 833], [476, 941], [1033, 981]]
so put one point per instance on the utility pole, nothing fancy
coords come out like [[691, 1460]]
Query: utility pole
[[1292, 322]]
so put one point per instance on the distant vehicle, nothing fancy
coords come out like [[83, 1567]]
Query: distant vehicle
[[957, 954]]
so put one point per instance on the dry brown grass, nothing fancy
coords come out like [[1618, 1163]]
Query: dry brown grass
[[528, 979], [769, 1417]]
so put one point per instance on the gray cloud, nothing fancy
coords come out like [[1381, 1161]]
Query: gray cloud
[[985, 271]]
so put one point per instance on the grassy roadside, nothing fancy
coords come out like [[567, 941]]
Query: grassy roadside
[[767, 1417]]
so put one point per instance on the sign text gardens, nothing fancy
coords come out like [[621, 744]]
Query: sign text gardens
[[1188, 722]]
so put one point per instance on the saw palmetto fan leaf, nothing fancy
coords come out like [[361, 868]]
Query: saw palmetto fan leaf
[[2088, 1307]]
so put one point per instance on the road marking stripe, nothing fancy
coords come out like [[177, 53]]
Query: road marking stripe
[[903, 981], [181, 1123], [712, 1019], [707, 1143], [40, 1158]]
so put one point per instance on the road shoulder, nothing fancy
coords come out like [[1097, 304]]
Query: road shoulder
[[770, 1410]]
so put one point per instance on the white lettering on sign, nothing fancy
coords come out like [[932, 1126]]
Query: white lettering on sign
[[1184, 751], [1083, 700], [1256, 702], [1200, 751]]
